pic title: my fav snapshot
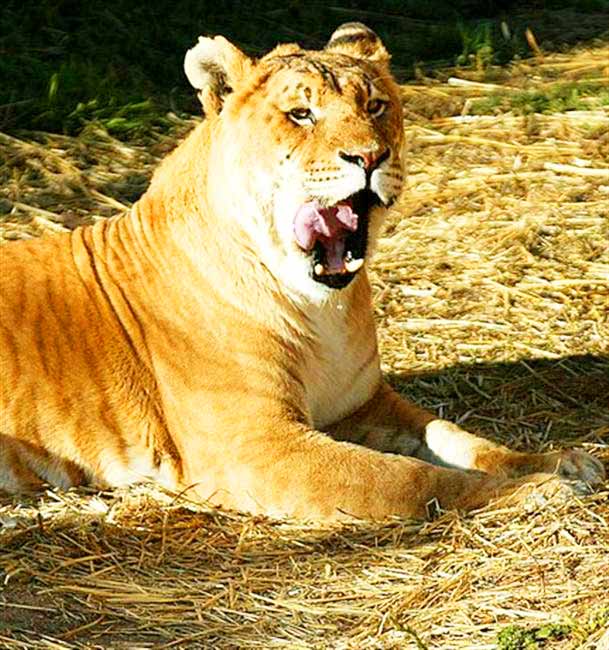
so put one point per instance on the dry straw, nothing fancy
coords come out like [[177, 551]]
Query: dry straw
[[492, 296]]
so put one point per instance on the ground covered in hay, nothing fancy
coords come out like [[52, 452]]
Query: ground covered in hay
[[492, 295]]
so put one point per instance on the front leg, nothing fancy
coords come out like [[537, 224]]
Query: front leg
[[265, 458], [284, 468], [389, 423]]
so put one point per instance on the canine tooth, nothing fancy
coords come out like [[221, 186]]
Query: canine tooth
[[319, 269], [354, 265]]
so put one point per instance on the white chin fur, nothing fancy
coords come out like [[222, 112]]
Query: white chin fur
[[295, 273]]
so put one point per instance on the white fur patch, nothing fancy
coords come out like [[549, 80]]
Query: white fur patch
[[336, 384], [139, 467], [202, 62], [451, 444]]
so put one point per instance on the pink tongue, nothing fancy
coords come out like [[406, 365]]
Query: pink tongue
[[329, 226]]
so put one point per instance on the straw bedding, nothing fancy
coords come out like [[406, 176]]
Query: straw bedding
[[492, 296]]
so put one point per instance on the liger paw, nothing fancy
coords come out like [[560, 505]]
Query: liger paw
[[580, 468]]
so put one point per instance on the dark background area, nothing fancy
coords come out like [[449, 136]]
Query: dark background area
[[66, 62]]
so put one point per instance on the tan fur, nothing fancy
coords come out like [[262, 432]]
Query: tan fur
[[186, 342]]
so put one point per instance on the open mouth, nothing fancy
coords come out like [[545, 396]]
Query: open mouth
[[335, 236]]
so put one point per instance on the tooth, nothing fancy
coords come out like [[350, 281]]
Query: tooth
[[319, 269], [354, 265]]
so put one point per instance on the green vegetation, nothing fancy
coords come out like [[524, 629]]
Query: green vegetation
[[514, 637], [555, 99], [476, 44], [64, 62]]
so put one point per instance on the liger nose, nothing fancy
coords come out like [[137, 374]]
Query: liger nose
[[367, 160]]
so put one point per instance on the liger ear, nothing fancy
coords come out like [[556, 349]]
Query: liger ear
[[214, 66], [358, 41]]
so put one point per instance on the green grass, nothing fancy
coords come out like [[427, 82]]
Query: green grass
[[556, 99], [516, 637], [64, 62]]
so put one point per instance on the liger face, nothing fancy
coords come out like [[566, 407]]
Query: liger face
[[328, 133]]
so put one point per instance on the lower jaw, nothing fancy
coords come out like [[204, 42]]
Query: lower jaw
[[335, 273], [334, 280]]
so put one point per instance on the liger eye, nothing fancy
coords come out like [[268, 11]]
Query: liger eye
[[376, 107], [302, 116]]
